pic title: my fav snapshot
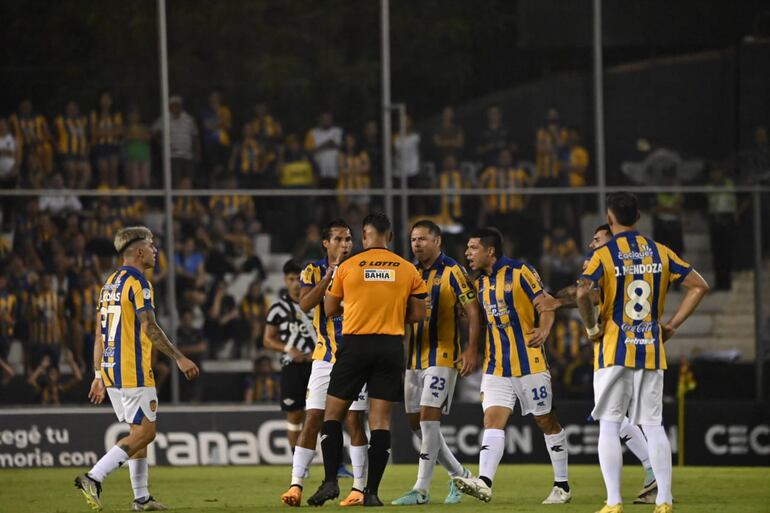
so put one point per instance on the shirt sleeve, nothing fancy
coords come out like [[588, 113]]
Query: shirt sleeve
[[678, 269], [594, 270], [307, 278], [335, 288], [530, 281], [418, 288], [461, 285], [144, 296], [276, 315]]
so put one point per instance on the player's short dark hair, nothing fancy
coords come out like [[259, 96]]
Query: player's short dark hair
[[429, 225], [326, 231], [490, 237], [292, 267], [624, 206], [379, 221], [603, 228]]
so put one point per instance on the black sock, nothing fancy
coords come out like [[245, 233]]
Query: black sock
[[564, 485], [379, 452], [486, 480], [331, 447]]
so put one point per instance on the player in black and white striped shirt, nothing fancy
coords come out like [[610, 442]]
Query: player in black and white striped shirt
[[290, 331]]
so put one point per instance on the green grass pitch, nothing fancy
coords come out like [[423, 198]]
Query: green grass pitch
[[256, 489]]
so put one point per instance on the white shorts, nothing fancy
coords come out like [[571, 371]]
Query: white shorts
[[433, 387], [318, 385], [132, 404], [621, 391], [533, 392]]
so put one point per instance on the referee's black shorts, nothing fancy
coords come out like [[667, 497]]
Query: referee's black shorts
[[294, 378], [374, 360]]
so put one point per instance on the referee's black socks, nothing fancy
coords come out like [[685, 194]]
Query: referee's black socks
[[331, 447], [379, 452]]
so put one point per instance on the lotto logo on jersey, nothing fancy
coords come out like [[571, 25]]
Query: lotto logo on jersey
[[379, 275]]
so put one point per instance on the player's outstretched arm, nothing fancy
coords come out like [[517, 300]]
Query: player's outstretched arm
[[697, 288], [161, 342], [564, 298]]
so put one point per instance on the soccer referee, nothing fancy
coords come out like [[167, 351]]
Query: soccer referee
[[382, 292]]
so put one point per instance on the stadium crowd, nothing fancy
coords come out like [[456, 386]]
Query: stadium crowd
[[56, 248]]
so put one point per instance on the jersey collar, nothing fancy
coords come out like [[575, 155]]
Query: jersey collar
[[500, 263], [629, 233], [131, 270], [438, 264]]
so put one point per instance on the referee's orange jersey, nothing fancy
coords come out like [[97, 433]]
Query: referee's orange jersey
[[375, 286]]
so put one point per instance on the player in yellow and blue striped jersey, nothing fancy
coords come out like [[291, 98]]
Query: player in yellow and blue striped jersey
[[124, 339], [633, 273], [515, 366], [315, 279], [629, 433], [433, 358]]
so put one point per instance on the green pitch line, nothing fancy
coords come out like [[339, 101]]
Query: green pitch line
[[517, 488]]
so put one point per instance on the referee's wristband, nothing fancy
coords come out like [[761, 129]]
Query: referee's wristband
[[97, 374], [592, 332]]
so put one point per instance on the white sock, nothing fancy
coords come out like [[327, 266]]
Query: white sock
[[557, 450], [611, 459], [114, 458], [359, 459], [660, 457], [446, 458], [635, 441], [140, 473], [300, 463], [429, 451], [491, 453]]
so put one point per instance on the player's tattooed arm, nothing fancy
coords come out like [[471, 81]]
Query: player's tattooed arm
[[565, 298], [161, 342], [586, 308], [157, 336]]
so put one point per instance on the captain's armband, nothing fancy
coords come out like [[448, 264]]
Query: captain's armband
[[467, 297]]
